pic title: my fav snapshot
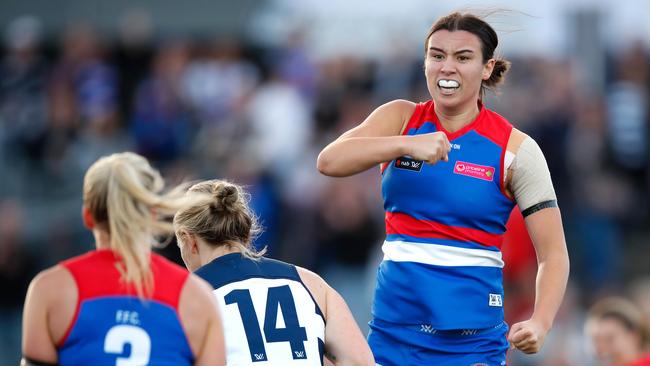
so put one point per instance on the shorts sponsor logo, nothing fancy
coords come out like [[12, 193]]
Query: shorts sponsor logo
[[474, 170]]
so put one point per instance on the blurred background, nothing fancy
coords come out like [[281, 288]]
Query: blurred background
[[251, 91]]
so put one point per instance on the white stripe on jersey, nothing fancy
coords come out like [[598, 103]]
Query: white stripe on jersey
[[440, 255]]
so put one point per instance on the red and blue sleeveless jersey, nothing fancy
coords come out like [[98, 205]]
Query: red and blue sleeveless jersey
[[113, 326], [444, 227]]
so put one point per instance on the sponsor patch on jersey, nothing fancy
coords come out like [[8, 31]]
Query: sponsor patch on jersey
[[474, 170], [495, 300], [408, 164]]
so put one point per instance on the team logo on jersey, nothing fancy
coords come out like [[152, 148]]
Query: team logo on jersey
[[474, 170], [495, 300], [408, 164]]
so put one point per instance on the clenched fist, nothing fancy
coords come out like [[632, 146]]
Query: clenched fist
[[527, 336], [430, 147]]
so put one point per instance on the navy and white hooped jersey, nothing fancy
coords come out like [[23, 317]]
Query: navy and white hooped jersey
[[444, 226], [113, 326], [270, 318]]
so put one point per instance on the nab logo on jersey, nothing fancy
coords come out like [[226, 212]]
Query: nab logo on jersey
[[408, 164]]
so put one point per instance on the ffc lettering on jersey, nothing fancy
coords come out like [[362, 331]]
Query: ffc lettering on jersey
[[127, 317], [474, 170], [408, 164]]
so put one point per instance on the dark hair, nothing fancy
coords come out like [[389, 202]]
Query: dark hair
[[487, 36], [226, 220]]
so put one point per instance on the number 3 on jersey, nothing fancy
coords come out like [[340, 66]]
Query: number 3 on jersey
[[119, 336], [277, 297]]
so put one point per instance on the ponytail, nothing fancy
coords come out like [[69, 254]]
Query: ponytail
[[123, 192]]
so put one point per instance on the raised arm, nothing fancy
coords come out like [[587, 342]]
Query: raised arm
[[344, 343], [532, 187], [377, 140]]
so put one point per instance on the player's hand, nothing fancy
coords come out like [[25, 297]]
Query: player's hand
[[527, 336], [429, 147]]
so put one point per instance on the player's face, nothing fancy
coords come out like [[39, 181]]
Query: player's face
[[454, 69], [613, 344]]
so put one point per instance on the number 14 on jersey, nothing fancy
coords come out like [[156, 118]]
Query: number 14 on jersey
[[277, 297]]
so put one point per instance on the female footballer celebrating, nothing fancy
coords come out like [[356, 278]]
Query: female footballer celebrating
[[452, 170]]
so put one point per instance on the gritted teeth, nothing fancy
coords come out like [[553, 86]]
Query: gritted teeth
[[443, 83]]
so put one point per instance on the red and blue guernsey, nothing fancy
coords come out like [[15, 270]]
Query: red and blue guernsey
[[112, 326], [444, 226]]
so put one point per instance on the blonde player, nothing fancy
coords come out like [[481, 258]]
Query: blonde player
[[121, 304], [274, 313]]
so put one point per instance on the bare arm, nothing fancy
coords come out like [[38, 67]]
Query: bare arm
[[546, 231], [374, 141], [344, 343], [202, 323], [49, 308]]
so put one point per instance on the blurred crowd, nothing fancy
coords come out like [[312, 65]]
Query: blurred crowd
[[204, 107]]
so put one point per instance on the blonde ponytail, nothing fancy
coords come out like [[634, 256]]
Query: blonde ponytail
[[123, 192]]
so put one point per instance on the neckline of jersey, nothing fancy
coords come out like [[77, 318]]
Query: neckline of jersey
[[462, 131], [224, 258]]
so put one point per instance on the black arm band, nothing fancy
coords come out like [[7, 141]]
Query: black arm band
[[540, 206], [33, 362]]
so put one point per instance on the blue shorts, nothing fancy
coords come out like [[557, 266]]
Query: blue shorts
[[402, 345]]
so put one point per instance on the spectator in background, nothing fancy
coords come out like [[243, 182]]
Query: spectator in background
[[133, 54], [23, 103], [17, 267], [24, 129], [85, 75], [599, 198], [281, 127], [218, 81], [84, 92], [618, 333], [295, 66], [161, 124], [217, 85], [628, 132]]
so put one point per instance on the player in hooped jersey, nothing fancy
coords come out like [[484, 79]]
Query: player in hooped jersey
[[452, 171], [121, 304], [275, 314]]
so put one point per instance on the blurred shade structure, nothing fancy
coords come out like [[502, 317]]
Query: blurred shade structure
[[251, 91]]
